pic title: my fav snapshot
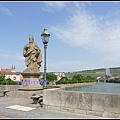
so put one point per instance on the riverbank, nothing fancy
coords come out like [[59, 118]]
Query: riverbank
[[76, 84]]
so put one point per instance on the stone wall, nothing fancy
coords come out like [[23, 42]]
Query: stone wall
[[15, 93], [89, 103]]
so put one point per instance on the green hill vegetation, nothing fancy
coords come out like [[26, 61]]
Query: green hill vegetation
[[95, 73]]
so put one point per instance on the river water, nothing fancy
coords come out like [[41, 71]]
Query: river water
[[99, 87]]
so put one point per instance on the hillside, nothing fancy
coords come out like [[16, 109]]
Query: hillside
[[96, 72]]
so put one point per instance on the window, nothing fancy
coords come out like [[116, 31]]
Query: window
[[14, 78]]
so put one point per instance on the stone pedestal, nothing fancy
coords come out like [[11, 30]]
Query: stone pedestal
[[30, 81], [31, 75]]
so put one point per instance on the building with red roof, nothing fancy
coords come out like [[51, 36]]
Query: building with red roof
[[11, 73]]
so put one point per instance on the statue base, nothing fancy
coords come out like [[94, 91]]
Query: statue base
[[30, 81], [31, 87]]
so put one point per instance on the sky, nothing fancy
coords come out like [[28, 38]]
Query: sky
[[83, 35]]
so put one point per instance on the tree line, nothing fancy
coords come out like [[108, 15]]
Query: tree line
[[53, 78], [75, 79]]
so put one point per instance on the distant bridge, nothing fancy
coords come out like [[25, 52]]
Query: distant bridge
[[107, 77]]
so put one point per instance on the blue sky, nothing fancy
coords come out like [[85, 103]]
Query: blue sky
[[83, 35]]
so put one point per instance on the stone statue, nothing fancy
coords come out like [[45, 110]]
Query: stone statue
[[33, 55]]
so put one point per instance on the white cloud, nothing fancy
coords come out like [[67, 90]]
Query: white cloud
[[82, 5], [6, 11], [88, 31], [50, 6], [81, 30]]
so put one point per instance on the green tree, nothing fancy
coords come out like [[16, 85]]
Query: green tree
[[50, 77], [7, 81], [114, 80], [78, 78], [63, 80], [90, 79], [2, 78]]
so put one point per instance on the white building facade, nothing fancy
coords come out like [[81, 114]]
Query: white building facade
[[59, 75], [14, 77], [12, 74]]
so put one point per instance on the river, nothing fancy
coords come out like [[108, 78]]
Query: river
[[98, 87]]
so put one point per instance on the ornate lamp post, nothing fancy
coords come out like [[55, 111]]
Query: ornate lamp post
[[45, 39]]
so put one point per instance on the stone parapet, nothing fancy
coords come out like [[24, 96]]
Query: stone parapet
[[89, 103]]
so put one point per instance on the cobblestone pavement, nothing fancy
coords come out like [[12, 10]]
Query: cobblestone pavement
[[38, 112]]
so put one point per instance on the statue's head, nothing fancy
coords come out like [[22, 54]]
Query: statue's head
[[31, 38]]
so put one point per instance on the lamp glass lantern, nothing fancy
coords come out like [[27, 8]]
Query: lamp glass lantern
[[45, 36]]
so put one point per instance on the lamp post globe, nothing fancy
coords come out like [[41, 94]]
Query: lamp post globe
[[45, 39]]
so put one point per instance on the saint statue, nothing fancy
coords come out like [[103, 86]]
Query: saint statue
[[33, 55]]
